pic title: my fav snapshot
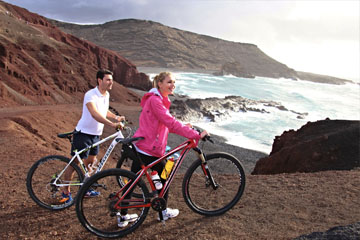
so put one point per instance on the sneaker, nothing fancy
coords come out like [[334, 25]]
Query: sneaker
[[66, 198], [92, 193], [169, 213], [123, 221]]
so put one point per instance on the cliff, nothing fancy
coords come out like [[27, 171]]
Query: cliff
[[40, 64]]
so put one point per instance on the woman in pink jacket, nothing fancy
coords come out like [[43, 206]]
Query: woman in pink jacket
[[155, 123]]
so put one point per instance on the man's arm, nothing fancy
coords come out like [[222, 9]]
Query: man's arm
[[115, 117], [97, 116]]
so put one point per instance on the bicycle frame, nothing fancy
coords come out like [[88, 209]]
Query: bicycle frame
[[184, 148], [118, 137]]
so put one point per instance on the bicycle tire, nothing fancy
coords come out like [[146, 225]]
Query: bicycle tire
[[40, 176], [98, 215], [199, 194]]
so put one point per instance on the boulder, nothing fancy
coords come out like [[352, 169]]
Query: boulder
[[316, 146]]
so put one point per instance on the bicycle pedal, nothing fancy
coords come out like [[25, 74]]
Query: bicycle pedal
[[96, 185]]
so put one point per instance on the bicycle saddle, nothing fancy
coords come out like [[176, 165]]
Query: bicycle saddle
[[129, 140]]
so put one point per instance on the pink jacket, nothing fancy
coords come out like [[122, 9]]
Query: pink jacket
[[156, 122]]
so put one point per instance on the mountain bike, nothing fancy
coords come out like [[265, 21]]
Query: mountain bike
[[211, 186], [45, 178]]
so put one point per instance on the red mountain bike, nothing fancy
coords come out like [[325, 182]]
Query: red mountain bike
[[212, 185]]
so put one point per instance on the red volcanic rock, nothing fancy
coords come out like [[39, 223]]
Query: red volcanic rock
[[317, 146], [39, 64]]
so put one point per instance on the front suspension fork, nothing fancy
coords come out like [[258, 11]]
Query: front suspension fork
[[209, 177]]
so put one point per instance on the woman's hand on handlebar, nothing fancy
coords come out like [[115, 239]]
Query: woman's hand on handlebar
[[203, 134]]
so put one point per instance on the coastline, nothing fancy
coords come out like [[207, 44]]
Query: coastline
[[149, 70], [303, 76]]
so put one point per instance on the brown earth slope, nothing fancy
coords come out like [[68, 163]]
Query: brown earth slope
[[281, 206], [39, 64]]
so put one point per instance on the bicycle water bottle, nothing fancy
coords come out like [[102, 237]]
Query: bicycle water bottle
[[168, 167], [156, 179]]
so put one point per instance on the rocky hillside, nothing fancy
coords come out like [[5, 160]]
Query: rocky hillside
[[317, 146], [40, 64], [152, 44]]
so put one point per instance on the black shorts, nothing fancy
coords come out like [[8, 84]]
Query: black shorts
[[83, 140], [135, 167]]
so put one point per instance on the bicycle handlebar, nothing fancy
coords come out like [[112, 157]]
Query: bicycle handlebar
[[121, 125], [206, 138]]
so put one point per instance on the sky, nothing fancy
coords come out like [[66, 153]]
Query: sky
[[315, 36]]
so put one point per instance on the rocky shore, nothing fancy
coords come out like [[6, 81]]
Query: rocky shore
[[216, 109]]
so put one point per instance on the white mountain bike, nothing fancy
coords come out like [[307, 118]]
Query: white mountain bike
[[45, 179]]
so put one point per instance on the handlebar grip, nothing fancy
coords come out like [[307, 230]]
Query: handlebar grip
[[121, 125]]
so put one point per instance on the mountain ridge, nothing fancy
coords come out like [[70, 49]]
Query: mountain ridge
[[148, 43], [152, 44]]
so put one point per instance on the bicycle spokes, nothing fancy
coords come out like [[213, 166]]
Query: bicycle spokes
[[44, 182]]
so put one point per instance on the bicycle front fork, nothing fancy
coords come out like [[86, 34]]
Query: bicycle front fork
[[209, 177]]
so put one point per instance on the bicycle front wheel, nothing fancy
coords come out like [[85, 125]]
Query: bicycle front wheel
[[215, 187], [103, 215], [41, 185]]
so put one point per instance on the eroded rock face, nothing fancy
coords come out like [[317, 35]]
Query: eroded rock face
[[317, 146], [42, 65]]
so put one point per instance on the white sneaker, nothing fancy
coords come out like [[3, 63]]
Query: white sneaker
[[123, 221], [169, 213]]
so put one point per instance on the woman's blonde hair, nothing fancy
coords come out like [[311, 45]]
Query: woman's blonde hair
[[160, 78]]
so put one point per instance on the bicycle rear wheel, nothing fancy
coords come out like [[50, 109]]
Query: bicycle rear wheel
[[100, 215], [204, 198], [41, 177]]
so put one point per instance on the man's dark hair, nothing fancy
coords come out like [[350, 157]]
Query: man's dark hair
[[101, 73]]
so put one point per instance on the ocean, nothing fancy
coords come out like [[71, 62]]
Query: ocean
[[257, 131]]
